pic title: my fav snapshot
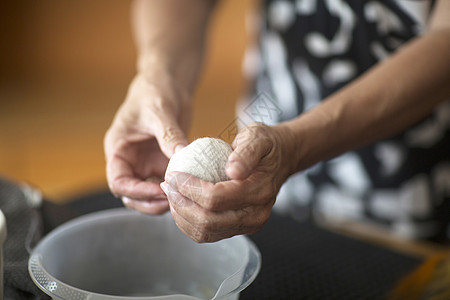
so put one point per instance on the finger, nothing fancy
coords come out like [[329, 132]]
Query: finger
[[205, 226], [196, 235], [189, 230], [122, 182], [152, 207], [225, 195], [250, 146], [175, 197], [176, 200], [169, 135], [188, 185]]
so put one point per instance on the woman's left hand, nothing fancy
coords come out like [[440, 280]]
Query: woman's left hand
[[262, 159]]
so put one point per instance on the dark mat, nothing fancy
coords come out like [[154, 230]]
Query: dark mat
[[24, 228], [303, 261], [300, 260]]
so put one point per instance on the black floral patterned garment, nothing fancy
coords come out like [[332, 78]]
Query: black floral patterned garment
[[308, 49]]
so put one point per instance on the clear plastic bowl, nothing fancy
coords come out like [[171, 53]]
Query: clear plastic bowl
[[122, 254]]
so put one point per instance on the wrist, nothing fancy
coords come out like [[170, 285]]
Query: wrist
[[151, 60], [155, 68], [311, 139], [182, 69], [159, 76], [289, 148]]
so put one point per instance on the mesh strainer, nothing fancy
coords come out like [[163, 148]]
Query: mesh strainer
[[122, 254]]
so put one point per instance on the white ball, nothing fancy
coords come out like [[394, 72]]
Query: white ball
[[204, 158]]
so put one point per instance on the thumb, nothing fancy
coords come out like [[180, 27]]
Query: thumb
[[249, 149], [170, 136]]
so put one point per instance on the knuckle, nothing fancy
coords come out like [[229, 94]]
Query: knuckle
[[115, 187], [210, 200], [253, 136], [199, 237], [273, 192], [259, 220], [171, 134], [261, 135], [215, 198], [206, 225], [212, 204], [266, 195], [249, 150], [207, 195], [258, 129]]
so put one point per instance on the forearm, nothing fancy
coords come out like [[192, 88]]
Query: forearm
[[170, 37], [387, 99]]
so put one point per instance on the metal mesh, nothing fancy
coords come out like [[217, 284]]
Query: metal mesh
[[24, 226], [51, 285]]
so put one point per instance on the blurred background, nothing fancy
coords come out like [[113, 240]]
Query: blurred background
[[65, 67]]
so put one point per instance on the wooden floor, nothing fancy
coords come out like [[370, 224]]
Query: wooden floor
[[65, 73]]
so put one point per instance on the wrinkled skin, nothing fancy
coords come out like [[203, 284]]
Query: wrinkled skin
[[147, 129], [257, 167]]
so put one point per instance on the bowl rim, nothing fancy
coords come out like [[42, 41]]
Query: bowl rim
[[57, 288]]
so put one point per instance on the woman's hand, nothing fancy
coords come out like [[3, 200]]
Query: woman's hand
[[146, 131], [260, 162]]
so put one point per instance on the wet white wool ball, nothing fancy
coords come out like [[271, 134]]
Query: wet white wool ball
[[204, 158]]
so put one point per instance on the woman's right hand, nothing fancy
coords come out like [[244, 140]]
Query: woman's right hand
[[148, 128]]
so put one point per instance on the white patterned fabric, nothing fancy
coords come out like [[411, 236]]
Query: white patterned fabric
[[311, 48]]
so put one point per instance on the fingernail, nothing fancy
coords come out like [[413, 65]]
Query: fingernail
[[170, 189], [145, 204], [164, 187], [126, 200]]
